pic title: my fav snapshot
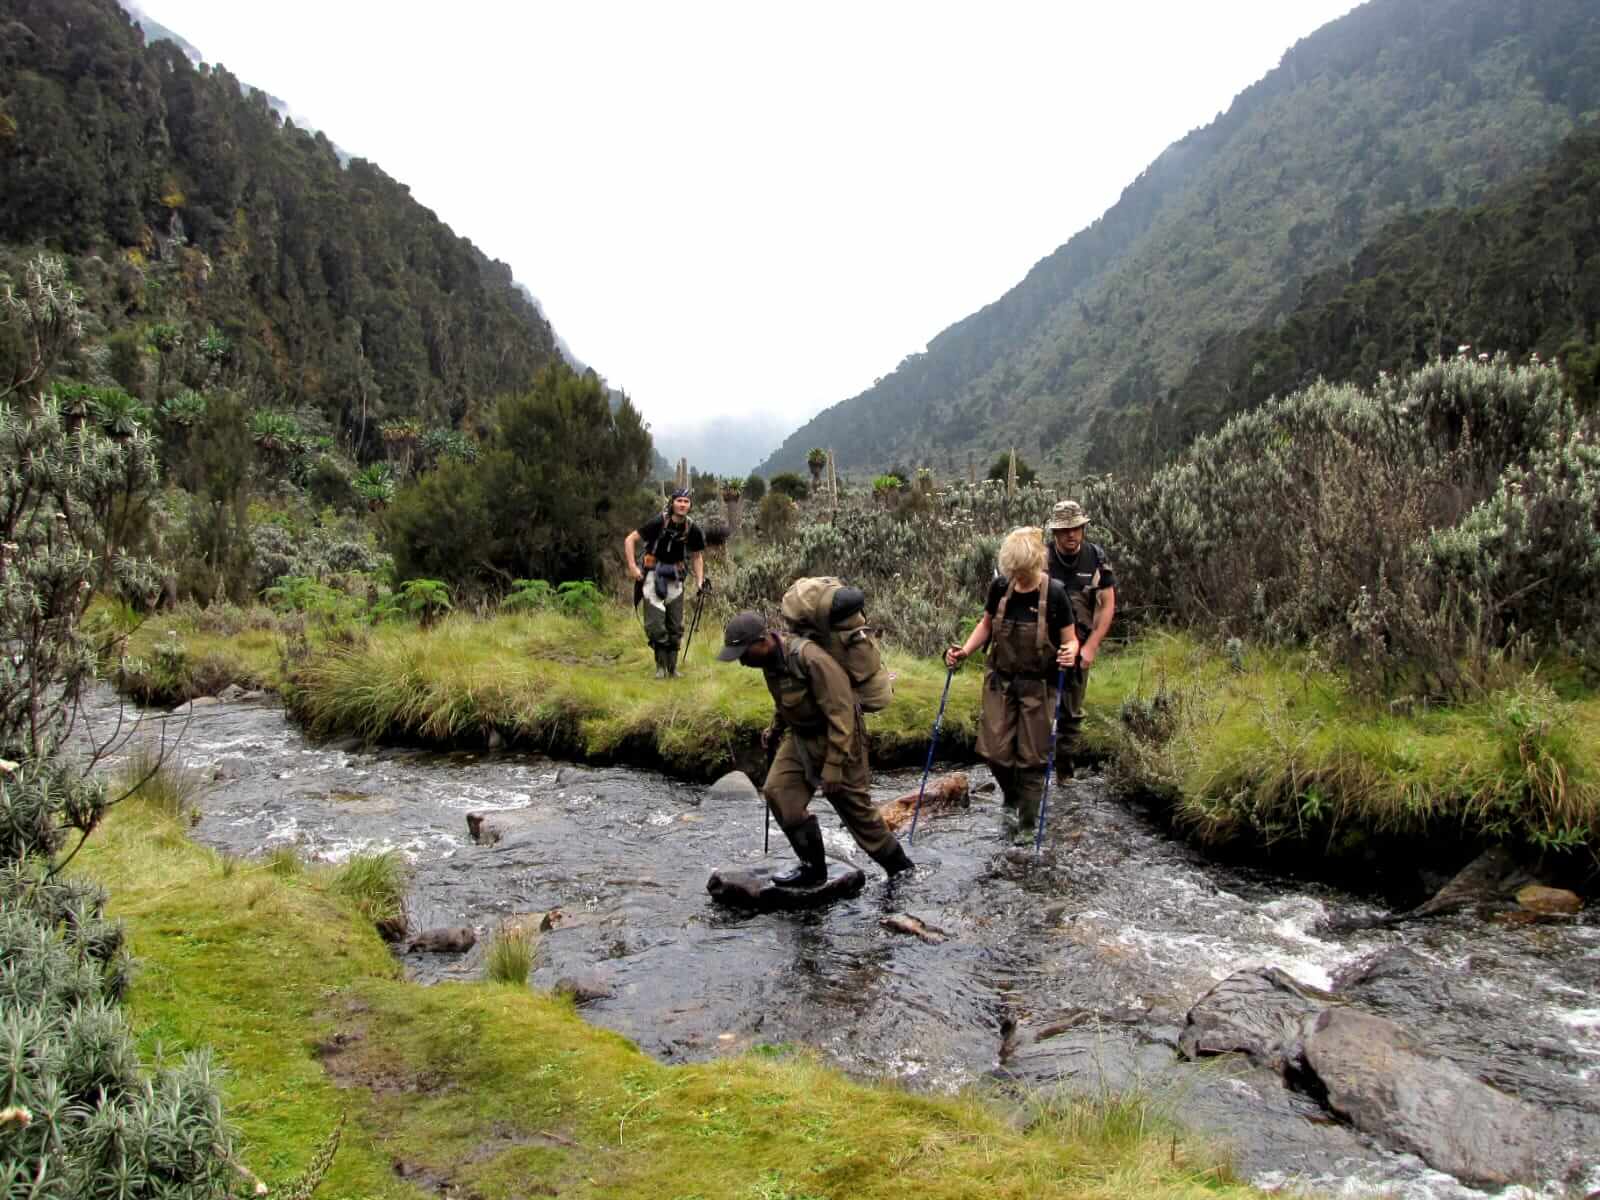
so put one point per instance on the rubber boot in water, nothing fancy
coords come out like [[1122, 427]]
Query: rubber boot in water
[[893, 859], [806, 838], [1030, 791]]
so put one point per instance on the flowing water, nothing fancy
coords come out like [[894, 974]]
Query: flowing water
[[1116, 926]]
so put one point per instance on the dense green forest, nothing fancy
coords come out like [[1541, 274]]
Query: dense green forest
[[1518, 274], [197, 221], [1398, 107]]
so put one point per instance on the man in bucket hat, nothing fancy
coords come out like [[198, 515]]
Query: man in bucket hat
[[1082, 568], [824, 746], [668, 538]]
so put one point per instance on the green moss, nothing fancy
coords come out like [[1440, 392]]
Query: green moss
[[501, 1092]]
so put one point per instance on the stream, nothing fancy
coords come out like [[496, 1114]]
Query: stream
[[1116, 925]]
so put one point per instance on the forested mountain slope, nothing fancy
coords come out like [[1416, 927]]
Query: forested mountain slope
[[1399, 106], [1518, 274], [190, 211]]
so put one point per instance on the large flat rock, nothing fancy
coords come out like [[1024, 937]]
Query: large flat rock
[[752, 887], [1385, 1084]]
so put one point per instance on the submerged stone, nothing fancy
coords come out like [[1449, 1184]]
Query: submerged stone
[[752, 887]]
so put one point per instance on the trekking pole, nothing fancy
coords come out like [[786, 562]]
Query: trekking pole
[[1050, 763], [928, 766], [694, 621]]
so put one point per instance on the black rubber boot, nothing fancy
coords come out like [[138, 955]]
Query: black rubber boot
[[806, 838], [671, 657], [894, 860], [661, 663]]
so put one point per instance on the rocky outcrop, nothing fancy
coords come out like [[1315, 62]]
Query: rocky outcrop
[[735, 785], [1374, 1074], [1387, 1085]]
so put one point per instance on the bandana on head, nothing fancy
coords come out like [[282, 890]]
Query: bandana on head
[[681, 493]]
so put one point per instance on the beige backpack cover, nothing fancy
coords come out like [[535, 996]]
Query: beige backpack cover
[[852, 643]]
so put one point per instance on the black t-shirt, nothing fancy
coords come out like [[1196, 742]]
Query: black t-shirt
[[1024, 606], [669, 544], [1075, 574]]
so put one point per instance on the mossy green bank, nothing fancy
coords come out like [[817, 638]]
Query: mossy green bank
[[499, 1091], [1239, 745]]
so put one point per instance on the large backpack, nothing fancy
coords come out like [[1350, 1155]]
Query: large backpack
[[830, 613]]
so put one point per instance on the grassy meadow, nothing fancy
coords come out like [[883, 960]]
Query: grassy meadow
[[498, 1091]]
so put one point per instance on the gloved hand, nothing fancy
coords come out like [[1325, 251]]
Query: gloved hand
[[705, 586]]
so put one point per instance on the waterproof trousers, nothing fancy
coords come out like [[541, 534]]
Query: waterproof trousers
[[663, 627], [794, 778]]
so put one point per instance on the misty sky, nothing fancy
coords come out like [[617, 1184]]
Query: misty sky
[[734, 208]]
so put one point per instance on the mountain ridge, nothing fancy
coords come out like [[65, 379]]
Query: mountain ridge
[[1397, 106]]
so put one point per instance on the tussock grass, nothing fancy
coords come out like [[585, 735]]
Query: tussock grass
[[375, 884], [503, 1092], [1283, 750], [510, 955], [161, 784], [552, 681]]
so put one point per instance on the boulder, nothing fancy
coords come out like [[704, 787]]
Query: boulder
[[1549, 901], [752, 887], [583, 986], [485, 828], [1386, 1085], [1262, 1013], [945, 793], [447, 939], [735, 785]]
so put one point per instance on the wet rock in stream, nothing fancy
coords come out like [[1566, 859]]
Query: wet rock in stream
[[752, 887]]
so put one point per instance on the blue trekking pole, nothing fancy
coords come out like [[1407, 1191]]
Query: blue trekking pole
[[1050, 763], [932, 742]]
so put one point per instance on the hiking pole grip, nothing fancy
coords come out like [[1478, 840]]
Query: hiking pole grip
[[1050, 763], [950, 673]]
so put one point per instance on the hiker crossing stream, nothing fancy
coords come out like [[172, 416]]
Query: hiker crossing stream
[[1072, 971]]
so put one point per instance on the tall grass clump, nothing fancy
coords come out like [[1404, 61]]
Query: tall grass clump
[[510, 955], [376, 883], [155, 779]]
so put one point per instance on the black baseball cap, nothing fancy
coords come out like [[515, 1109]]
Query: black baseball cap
[[743, 631]]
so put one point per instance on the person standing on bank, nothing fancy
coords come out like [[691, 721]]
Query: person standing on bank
[[824, 745], [1028, 627], [1080, 566], [668, 538]]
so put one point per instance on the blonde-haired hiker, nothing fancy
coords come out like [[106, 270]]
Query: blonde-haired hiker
[[1028, 644]]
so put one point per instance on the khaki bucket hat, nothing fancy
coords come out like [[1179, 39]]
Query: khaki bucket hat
[[1068, 514]]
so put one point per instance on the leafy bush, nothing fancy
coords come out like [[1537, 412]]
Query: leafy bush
[[791, 485], [85, 1119], [755, 487], [1421, 527], [551, 496], [776, 517]]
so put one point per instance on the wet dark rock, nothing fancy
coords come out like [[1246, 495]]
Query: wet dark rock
[[1494, 877], [447, 939], [752, 887], [572, 778], [494, 741], [735, 785], [1385, 1084], [230, 694], [485, 828], [1262, 1013], [583, 986]]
